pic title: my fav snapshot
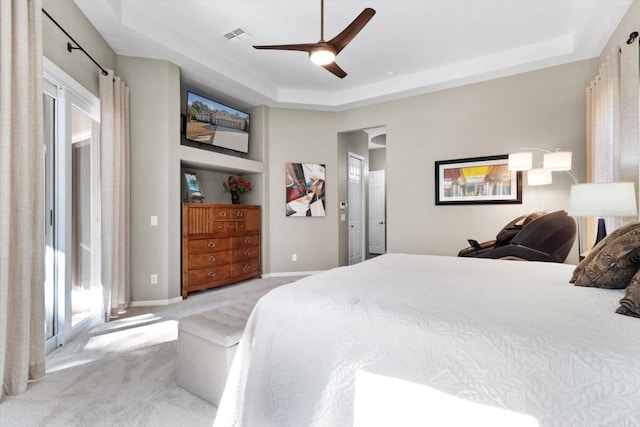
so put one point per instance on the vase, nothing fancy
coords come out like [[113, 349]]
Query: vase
[[235, 197]]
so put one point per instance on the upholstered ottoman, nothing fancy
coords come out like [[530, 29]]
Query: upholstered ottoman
[[206, 345]]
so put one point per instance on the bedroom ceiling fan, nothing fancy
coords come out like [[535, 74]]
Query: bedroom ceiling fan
[[323, 53]]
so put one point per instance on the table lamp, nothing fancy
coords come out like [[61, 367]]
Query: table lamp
[[603, 199]]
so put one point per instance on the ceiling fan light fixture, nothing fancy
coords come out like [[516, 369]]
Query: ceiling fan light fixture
[[322, 55]]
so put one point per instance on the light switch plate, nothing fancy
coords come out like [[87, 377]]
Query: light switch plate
[[154, 220]]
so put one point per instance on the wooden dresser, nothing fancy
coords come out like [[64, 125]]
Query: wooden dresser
[[220, 245]]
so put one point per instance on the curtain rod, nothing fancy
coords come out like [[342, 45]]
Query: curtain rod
[[77, 46]]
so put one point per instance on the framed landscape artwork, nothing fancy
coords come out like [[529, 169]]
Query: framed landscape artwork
[[305, 186], [477, 180]]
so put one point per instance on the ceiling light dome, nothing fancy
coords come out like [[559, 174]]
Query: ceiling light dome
[[323, 54]]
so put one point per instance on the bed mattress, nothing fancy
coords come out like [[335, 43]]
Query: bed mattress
[[430, 340]]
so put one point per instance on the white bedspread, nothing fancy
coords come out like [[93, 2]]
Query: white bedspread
[[428, 340]]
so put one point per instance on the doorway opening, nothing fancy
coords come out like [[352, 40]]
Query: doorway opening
[[362, 194], [377, 218]]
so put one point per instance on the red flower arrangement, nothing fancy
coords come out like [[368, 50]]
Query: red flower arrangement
[[236, 183]]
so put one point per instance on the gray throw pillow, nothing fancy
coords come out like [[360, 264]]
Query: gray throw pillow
[[630, 304], [614, 265], [600, 246]]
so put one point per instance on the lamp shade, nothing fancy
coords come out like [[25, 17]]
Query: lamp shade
[[558, 161], [521, 161], [539, 177], [603, 199]]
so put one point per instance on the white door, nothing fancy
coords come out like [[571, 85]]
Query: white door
[[377, 218], [356, 211]]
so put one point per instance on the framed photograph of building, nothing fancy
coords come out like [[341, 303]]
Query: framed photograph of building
[[477, 180]]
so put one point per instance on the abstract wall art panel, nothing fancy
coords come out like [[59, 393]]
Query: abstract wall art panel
[[305, 186]]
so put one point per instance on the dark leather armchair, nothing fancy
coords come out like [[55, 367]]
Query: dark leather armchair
[[540, 236]]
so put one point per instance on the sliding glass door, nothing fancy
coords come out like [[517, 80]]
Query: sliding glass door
[[86, 295], [72, 287], [49, 100]]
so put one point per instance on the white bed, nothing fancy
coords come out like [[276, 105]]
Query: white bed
[[428, 340]]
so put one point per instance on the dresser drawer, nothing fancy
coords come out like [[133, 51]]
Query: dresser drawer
[[238, 213], [245, 267], [210, 259], [197, 246], [245, 253], [245, 241], [220, 214], [223, 226], [208, 275]]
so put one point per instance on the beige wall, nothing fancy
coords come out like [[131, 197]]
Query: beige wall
[[300, 136], [544, 108], [155, 176], [76, 64], [378, 159]]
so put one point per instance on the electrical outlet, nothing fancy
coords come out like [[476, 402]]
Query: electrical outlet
[[154, 279], [294, 257]]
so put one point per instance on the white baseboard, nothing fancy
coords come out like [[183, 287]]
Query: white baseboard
[[148, 303], [290, 273], [155, 302]]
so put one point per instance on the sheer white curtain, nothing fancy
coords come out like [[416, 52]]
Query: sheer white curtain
[[613, 122], [114, 193], [21, 196]]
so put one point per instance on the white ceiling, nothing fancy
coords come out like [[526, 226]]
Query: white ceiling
[[409, 47]]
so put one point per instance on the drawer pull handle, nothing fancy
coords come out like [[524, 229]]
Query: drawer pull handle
[[247, 241], [212, 258], [223, 213], [239, 214], [247, 253], [212, 274], [248, 266], [212, 244]]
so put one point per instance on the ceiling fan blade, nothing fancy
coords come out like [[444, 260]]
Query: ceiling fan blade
[[305, 47], [342, 39], [335, 69]]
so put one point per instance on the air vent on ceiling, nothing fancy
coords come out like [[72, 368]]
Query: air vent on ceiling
[[236, 35]]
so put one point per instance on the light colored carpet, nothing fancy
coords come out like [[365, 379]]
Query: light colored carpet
[[123, 373]]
